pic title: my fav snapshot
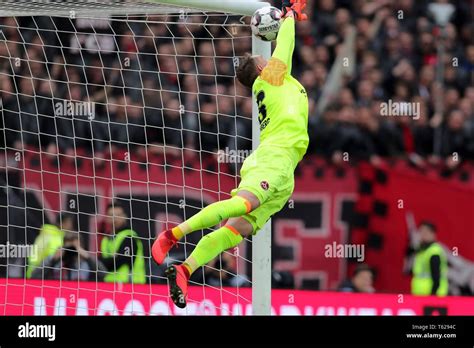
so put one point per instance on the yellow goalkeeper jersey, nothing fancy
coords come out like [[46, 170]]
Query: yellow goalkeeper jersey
[[282, 101]]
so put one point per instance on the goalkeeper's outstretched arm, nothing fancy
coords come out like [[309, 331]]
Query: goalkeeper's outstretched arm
[[285, 44], [280, 64], [292, 10]]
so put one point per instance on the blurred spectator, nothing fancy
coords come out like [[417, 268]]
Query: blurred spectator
[[164, 130], [429, 265], [70, 262], [50, 239], [455, 139], [122, 251], [212, 128], [362, 280], [348, 140]]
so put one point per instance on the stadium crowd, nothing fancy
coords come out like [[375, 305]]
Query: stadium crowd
[[149, 104]]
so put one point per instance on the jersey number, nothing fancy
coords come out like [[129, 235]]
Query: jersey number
[[262, 109]]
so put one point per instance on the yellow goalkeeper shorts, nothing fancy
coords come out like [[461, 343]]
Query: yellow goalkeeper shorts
[[268, 173]]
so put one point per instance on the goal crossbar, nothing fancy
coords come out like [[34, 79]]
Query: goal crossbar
[[97, 8]]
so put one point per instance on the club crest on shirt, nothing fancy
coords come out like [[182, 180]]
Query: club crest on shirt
[[264, 185]]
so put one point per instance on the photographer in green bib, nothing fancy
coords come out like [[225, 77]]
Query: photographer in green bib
[[430, 264], [122, 251], [49, 240]]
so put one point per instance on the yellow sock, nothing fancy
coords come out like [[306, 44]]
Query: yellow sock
[[177, 233]]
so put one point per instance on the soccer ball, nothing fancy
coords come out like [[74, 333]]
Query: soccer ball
[[266, 23]]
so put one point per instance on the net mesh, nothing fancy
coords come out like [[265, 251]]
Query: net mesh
[[141, 112]]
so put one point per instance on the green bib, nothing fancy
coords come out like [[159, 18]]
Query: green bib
[[110, 246], [422, 282]]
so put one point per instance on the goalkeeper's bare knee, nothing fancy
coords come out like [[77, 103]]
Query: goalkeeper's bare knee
[[251, 198], [241, 225]]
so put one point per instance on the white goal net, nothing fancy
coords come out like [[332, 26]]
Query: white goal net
[[117, 115]]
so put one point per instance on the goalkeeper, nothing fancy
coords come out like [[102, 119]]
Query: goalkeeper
[[267, 174]]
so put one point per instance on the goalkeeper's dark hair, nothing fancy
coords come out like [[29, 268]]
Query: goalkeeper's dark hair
[[247, 71]]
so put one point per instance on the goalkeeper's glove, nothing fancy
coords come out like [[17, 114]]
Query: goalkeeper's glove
[[295, 9]]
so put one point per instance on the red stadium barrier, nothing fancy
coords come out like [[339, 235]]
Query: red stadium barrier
[[35, 297]]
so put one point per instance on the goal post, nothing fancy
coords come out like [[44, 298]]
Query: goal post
[[125, 13], [262, 241]]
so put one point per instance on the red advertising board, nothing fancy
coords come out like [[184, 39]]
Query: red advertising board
[[36, 297]]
